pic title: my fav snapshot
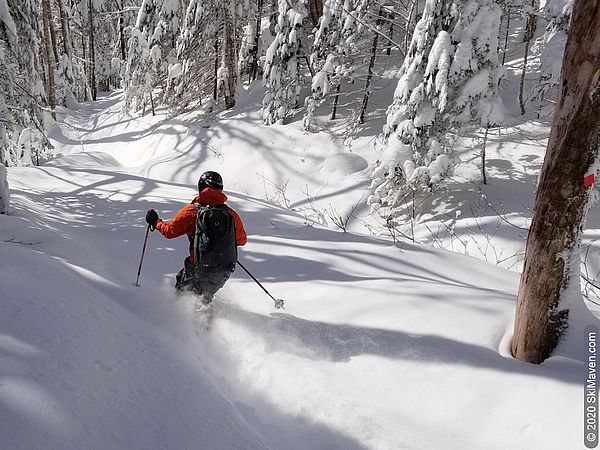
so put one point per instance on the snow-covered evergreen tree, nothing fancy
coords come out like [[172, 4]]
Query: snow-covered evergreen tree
[[551, 47], [448, 80], [190, 78], [336, 46], [282, 69], [30, 139], [138, 75], [152, 48], [207, 52], [21, 88], [251, 43]]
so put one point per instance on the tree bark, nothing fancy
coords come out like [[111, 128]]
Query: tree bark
[[336, 100], [87, 95], [367, 93], [216, 68], [483, 151], [51, 62], [530, 28], [152, 103], [53, 35], [560, 205], [92, 50], [508, 13], [254, 70], [315, 11], [122, 34], [229, 56], [64, 27], [273, 17]]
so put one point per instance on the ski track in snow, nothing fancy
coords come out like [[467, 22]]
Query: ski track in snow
[[380, 347]]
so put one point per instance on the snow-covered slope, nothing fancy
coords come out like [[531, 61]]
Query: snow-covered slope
[[381, 346]]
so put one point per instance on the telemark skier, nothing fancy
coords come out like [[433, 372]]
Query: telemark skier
[[214, 230]]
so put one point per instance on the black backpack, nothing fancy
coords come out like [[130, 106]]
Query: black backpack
[[215, 248]]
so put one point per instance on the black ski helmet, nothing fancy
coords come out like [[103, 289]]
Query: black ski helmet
[[210, 179]]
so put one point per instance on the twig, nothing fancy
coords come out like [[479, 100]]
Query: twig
[[12, 240]]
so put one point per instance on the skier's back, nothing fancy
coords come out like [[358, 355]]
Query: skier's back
[[214, 231]]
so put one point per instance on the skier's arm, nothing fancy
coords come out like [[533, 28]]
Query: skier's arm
[[240, 234], [181, 224]]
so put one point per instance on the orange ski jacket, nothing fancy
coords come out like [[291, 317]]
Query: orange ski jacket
[[184, 221]]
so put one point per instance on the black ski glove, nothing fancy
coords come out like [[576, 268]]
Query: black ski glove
[[152, 219]]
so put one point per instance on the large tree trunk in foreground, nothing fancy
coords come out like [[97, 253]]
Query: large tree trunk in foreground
[[560, 205]]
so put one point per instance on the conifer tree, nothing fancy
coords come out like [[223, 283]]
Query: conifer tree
[[282, 69], [21, 88], [208, 52], [337, 45], [550, 47], [152, 48], [448, 80]]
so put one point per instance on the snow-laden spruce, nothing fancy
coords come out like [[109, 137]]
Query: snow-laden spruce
[[22, 93], [251, 45], [151, 49], [448, 80], [282, 71], [206, 70], [551, 47], [336, 48]]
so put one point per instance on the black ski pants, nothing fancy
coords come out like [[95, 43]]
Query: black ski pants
[[205, 284]]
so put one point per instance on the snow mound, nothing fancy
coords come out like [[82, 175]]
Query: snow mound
[[344, 164]]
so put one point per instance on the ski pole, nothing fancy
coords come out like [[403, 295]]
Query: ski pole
[[142, 258], [278, 301]]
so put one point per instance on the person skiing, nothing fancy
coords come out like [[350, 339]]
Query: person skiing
[[214, 230]]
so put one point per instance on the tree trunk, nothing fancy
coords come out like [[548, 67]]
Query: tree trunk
[[254, 70], [388, 52], [508, 13], [336, 100], [408, 26], [530, 28], [64, 27], [552, 254], [53, 35], [92, 50], [87, 94], [122, 33], [273, 17], [229, 56], [315, 11], [216, 68], [367, 93], [485, 138], [51, 62]]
